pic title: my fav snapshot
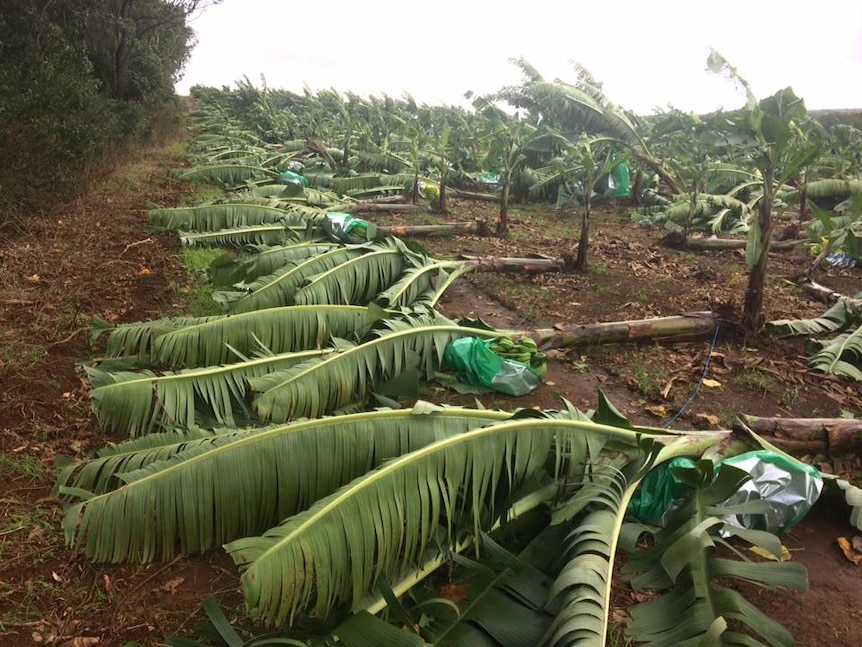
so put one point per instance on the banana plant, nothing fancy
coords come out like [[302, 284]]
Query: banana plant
[[508, 140], [353, 534], [780, 152], [581, 165], [582, 108]]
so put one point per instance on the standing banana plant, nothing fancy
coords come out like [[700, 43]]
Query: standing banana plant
[[582, 108], [780, 154], [508, 139], [582, 164]]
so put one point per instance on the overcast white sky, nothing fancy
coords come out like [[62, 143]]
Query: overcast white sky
[[648, 53]]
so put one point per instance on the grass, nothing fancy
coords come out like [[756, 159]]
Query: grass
[[197, 293], [648, 381], [203, 192], [23, 466], [19, 354], [752, 378], [599, 269]]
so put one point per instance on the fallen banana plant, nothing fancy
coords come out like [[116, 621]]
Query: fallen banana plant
[[358, 517], [840, 355], [225, 216]]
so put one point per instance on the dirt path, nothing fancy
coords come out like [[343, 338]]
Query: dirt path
[[89, 257]]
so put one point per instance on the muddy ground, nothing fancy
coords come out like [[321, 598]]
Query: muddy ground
[[91, 256]]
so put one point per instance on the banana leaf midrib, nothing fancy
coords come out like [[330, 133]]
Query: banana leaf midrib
[[222, 205], [192, 234], [281, 249], [224, 368], [318, 278], [623, 435], [297, 269], [250, 437], [384, 339]]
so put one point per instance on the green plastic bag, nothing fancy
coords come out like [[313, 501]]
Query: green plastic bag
[[289, 177], [474, 362], [619, 182], [659, 490], [790, 487], [342, 227]]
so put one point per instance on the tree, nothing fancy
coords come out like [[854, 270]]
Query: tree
[[78, 77], [578, 170], [581, 107], [139, 46], [507, 139], [779, 153]]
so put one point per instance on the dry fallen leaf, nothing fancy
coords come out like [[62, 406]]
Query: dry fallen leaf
[[850, 551], [81, 641], [757, 550], [708, 417], [666, 388], [34, 278], [171, 585], [658, 410]]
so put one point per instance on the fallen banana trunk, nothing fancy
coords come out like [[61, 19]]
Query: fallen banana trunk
[[484, 197], [799, 436], [719, 244], [824, 293], [472, 227], [376, 207], [677, 328], [505, 264]]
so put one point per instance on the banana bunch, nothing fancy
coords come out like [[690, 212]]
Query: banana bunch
[[524, 351]]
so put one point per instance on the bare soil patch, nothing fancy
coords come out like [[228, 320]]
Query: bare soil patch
[[92, 257]]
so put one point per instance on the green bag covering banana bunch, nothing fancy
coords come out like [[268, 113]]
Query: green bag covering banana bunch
[[524, 351]]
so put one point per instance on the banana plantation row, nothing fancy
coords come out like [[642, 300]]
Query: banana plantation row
[[275, 428]]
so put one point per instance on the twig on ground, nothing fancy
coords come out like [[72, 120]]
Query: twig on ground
[[138, 242]]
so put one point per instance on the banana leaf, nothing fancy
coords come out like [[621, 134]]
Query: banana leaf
[[243, 482], [279, 288], [136, 403], [381, 523], [223, 216], [840, 356], [280, 330], [321, 385], [356, 281], [695, 606], [837, 317], [260, 260], [226, 174], [277, 234]]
